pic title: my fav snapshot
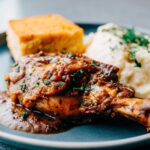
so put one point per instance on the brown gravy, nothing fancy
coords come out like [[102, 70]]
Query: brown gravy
[[18, 118]]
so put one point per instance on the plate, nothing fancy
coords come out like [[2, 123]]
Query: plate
[[106, 134]]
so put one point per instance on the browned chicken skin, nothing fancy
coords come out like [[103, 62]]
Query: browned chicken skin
[[54, 83], [69, 85]]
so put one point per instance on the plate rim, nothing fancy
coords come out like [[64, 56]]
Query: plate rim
[[77, 145], [5, 136]]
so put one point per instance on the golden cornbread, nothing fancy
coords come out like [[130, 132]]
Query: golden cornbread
[[50, 33]]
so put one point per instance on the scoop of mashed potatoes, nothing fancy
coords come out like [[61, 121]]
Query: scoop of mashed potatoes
[[126, 49]]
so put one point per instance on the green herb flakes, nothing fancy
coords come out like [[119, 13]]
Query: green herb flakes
[[82, 101], [59, 84], [25, 115], [137, 64], [82, 88], [49, 75], [132, 57], [18, 69], [37, 82], [15, 65], [63, 52], [94, 63], [112, 29], [46, 81], [23, 87], [71, 55], [130, 37], [78, 88], [121, 43], [77, 75]]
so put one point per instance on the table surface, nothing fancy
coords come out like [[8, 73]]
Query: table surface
[[132, 12], [128, 12]]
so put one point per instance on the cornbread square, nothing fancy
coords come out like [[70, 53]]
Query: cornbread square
[[51, 33]]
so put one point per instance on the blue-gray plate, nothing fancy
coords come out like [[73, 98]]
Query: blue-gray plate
[[105, 134]]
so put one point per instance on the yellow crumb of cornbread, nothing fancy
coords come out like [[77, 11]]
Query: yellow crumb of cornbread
[[49, 33]]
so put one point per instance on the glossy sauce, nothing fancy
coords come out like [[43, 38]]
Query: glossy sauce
[[18, 118]]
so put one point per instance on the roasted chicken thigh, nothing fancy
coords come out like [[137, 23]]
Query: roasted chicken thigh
[[66, 85]]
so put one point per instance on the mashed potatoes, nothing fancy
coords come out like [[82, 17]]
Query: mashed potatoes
[[128, 50]]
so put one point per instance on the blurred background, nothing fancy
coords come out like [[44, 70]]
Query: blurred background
[[126, 12]]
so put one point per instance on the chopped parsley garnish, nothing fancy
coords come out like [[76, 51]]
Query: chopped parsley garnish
[[23, 87], [132, 57], [63, 52], [37, 82], [137, 64], [94, 63], [25, 115], [121, 43], [15, 65], [71, 55], [49, 75], [46, 81], [82, 101], [78, 88], [60, 84], [87, 88], [77, 75], [82, 88], [18, 69], [112, 29], [130, 37]]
